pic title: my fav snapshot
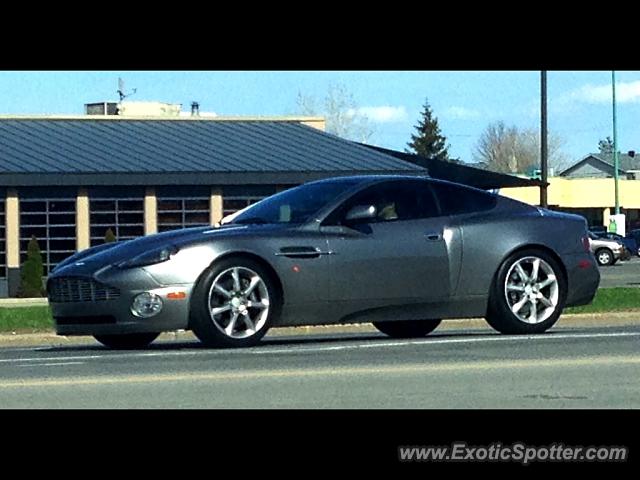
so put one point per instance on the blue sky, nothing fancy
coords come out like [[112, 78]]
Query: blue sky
[[465, 103]]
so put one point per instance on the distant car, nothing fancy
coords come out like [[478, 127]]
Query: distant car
[[606, 251], [635, 234], [598, 229], [400, 252], [629, 242]]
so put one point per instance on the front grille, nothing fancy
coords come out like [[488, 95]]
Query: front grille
[[78, 289]]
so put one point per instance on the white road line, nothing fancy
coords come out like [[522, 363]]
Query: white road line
[[91, 357], [496, 338], [266, 350], [31, 365], [46, 359]]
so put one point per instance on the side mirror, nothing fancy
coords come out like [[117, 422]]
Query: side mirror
[[361, 212]]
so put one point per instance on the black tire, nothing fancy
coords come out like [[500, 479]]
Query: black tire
[[407, 328], [605, 257], [128, 341], [201, 321], [499, 313]]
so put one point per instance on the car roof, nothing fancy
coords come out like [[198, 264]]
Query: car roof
[[374, 178], [369, 178]]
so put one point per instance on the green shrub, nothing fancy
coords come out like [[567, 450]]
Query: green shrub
[[32, 272], [109, 236]]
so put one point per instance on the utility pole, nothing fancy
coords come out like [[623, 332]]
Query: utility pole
[[616, 160], [543, 139]]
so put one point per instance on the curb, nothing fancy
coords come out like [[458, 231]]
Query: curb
[[23, 302]]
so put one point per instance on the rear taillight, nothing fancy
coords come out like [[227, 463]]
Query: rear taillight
[[586, 243]]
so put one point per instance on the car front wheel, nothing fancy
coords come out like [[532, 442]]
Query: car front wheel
[[604, 256], [407, 328], [528, 294], [234, 303]]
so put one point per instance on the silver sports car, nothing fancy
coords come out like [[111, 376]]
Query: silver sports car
[[400, 252]]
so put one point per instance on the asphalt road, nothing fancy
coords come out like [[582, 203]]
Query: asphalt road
[[572, 366], [622, 274]]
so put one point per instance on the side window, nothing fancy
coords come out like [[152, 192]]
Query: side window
[[394, 201], [456, 200]]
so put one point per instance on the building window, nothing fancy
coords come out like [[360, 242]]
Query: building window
[[175, 213], [633, 218], [53, 223], [3, 241], [234, 203], [124, 216]]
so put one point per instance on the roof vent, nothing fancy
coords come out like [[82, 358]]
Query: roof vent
[[195, 109], [101, 108]]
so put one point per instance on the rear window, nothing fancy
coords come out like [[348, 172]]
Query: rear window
[[456, 200]]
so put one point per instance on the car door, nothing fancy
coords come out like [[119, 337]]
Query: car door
[[399, 256]]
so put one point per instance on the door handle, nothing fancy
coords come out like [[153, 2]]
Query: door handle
[[433, 237], [302, 252]]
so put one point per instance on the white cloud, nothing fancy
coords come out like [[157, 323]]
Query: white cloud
[[382, 114], [460, 113], [626, 92]]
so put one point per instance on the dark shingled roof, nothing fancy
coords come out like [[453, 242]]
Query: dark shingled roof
[[232, 150], [127, 151], [461, 173], [626, 162]]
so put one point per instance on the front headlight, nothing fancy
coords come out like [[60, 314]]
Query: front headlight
[[150, 258]]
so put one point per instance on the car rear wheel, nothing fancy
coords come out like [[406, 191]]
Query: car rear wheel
[[407, 328], [128, 341], [604, 256], [528, 294], [234, 304]]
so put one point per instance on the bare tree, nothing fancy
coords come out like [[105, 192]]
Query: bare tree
[[340, 111], [511, 150], [530, 140], [498, 148]]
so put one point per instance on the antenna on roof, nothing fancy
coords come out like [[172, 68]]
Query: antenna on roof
[[121, 90]]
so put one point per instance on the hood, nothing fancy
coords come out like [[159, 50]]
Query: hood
[[93, 259]]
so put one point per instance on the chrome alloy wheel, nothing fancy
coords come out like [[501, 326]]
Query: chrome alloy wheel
[[531, 290], [238, 302]]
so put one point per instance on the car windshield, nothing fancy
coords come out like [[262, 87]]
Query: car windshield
[[294, 206]]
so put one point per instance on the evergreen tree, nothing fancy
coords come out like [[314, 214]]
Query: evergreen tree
[[109, 236], [32, 272], [606, 146], [428, 141]]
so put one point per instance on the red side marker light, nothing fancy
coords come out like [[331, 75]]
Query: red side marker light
[[584, 264], [176, 295], [296, 269]]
